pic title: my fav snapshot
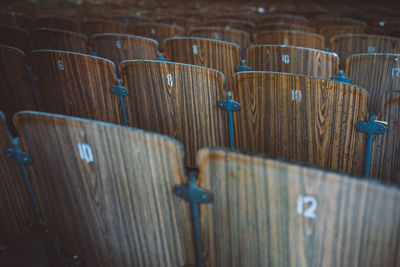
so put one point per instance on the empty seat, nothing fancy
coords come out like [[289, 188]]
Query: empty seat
[[268, 212], [129, 20], [119, 47], [285, 26], [105, 191], [330, 31], [57, 23], [322, 22], [17, 20], [77, 85], [178, 100], [377, 73], [285, 18], [157, 31], [292, 59], [294, 38], [13, 36], [233, 24], [45, 38], [91, 27], [186, 23], [301, 118]]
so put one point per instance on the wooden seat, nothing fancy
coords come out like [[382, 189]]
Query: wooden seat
[[157, 31], [91, 27], [15, 37], [218, 55], [130, 20], [15, 19], [186, 23], [57, 23], [119, 47], [178, 100], [285, 18], [294, 38], [348, 44], [268, 212], [46, 38], [377, 73], [301, 118], [285, 26], [293, 59], [105, 191], [322, 22], [77, 85], [241, 25], [330, 31]]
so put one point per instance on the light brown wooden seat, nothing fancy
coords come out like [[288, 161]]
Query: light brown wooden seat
[[268, 212], [322, 22], [91, 27], [157, 31], [13, 36], [241, 25], [292, 59], [294, 38], [285, 18], [77, 85], [285, 26], [106, 192], [301, 118], [46, 38], [330, 31], [56, 23], [178, 100], [186, 23], [119, 47]]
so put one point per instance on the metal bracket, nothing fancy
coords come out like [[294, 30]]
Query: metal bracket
[[18, 156], [242, 67], [119, 90], [230, 106], [341, 78], [161, 58], [195, 196]]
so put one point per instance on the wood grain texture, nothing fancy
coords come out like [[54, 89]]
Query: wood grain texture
[[323, 22], [348, 44], [46, 38], [119, 47], [254, 218], [292, 59], [178, 100], [157, 31], [285, 18], [301, 118], [218, 55], [285, 26], [56, 23], [13, 36], [117, 210], [91, 27], [377, 73], [386, 150], [16, 19], [294, 38], [330, 31], [15, 207], [76, 85], [241, 25], [186, 23]]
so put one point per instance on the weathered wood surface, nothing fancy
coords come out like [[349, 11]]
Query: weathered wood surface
[[323, 22], [186, 23], [285, 26], [218, 55], [301, 118], [292, 59], [15, 207], [294, 38], [283, 18], [106, 192], [377, 73], [330, 31], [46, 38], [157, 31], [119, 47], [182, 103], [57, 23], [13, 36], [267, 212], [233, 24], [348, 44], [385, 164], [76, 85], [91, 27]]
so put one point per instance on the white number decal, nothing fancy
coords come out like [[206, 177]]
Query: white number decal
[[285, 41], [396, 72], [296, 96], [153, 31], [216, 35], [285, 59], [170, 82], [60, 64], [371, 48], [85, 152], [118, 44], [195, 50], [309, 212], [382, 23]]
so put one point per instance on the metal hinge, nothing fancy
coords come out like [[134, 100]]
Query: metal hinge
[[18, 156], [161, 58], [341, 78], [242, 67], [119, 90]]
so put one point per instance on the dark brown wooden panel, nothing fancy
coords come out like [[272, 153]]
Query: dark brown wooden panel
[[219, 55], [385, 163], [178, 100], [106, 191], [285, 26], [119, 47], [77, 85], [377, 73], [56, 23], [348, 44], [323, 22], [295, 38], [301, 118], [267, 212], [45, 38], [91, 27], [157, 31], [330, 31], [233, 24], [13, 36], [283, 18], [186, 23], [292, 59]]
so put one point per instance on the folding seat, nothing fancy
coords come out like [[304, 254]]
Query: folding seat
[[157, 31], [91, 27], [219, 55], [13, 36], [330, 31], [377, 73], [178, 100], [285, 18], [78, 85], [119, 47], [106, 192], [285, 26], [16, 20], [294, 38], [233, 24], [301, 118], [268, 212], [56, 23], [186, 23], [293, 59], [322, 22], [129, 20], [348, 44], [46, 38]]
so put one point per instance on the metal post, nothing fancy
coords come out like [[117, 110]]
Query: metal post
[[230, 106]]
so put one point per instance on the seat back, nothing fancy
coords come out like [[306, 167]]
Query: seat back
[[186, 23], [15, 19], [294, 38], [91, 27], [157, 31], [45, 38], [15, 37], [56, 23], [241, 25], [330, 31], [285, 26], [285, 18], [322, 22]]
